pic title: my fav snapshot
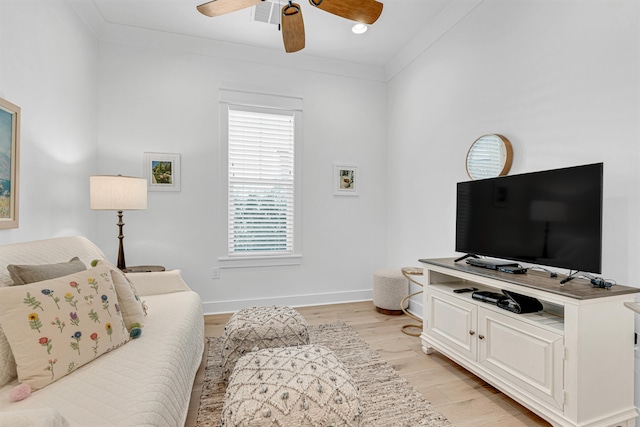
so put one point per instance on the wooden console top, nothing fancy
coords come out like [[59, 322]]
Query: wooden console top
[[577, 288]]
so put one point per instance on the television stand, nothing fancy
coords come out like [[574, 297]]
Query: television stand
[[571, 363]]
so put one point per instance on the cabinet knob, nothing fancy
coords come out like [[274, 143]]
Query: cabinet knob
[[472, 333], [481, 337]]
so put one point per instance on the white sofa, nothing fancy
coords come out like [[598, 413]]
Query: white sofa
[[145, 382]]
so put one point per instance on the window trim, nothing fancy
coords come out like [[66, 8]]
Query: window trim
[[273, 104]]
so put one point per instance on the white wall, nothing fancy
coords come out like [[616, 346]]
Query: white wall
[[48, 63], [161, 95], [559, 79]]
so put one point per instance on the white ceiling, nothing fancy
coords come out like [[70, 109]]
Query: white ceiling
[[327, 36]]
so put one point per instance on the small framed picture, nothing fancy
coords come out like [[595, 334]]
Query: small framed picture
[[345, 179], [162, 171], [9, 164]]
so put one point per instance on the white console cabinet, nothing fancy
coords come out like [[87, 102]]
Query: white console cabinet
[[571, 363]]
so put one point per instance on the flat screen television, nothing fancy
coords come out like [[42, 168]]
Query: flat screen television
[[551, 218]]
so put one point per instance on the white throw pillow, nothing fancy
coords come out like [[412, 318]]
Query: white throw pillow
[[57, 325], [156, 283]]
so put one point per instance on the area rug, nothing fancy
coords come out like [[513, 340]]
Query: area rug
[[387, 399]]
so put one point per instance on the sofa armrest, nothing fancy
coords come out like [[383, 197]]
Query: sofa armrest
[[161, 282]]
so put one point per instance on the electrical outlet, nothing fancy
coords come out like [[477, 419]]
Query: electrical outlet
[[215, 273]]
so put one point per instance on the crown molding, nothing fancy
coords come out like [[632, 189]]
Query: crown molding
[[115, 33]]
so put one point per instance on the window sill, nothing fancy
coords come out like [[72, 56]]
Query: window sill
[[259, 261]]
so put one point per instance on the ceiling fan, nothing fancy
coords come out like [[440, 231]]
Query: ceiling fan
[[364, 11]]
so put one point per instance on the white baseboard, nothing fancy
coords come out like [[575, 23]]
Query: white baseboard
[[416, 308], [231, 306]]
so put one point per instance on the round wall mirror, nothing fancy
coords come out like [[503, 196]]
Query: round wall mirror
[[489, 156]]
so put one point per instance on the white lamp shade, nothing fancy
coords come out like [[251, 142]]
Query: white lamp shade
[[117, 193]]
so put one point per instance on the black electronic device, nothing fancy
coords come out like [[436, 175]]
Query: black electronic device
[[601, 283], [463, 290], [518, 303], [551, 218], [488, 296], [492, 264], [512, 269]]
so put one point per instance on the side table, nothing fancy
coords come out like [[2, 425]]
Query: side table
[[143, 269], [407, 272]]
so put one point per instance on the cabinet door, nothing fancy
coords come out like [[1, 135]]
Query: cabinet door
[[452, 322], [528, 357]]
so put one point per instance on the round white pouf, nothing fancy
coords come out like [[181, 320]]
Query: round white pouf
[[389, 289]]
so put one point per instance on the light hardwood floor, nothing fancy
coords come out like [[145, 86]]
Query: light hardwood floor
[[463, 398]]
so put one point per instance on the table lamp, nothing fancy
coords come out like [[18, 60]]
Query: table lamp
[[118, 193]]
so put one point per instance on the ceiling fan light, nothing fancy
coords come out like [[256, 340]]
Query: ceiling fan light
[[359, 28]]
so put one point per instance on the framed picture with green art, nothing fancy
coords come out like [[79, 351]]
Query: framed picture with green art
[[162, 171], [9, 163]]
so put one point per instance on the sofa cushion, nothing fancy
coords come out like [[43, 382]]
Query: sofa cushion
[[40, 417], [58, 325], [24, 274]]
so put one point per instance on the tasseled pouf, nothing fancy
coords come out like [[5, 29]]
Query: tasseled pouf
[[301, 386], [261, 327]]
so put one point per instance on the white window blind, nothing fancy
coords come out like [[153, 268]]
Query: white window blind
[[261, 182]]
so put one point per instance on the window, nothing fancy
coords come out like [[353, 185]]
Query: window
[[261, 174], [262, 218]]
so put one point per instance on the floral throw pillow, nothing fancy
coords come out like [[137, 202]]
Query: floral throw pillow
[[58, 325], [132, 308]]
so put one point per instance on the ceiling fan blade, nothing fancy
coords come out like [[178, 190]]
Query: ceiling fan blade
[[221, 7], [365, 11], [292, 28]]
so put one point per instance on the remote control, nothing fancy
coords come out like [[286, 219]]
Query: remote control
[[462, 290]]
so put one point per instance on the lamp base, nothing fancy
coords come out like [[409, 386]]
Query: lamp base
[[121, 263]]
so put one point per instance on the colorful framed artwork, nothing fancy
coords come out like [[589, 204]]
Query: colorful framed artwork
[[9, 164], [345, 180], [162, 171]]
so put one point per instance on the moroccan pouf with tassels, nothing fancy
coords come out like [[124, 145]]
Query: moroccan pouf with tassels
[[257, 328], [304, 386]]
